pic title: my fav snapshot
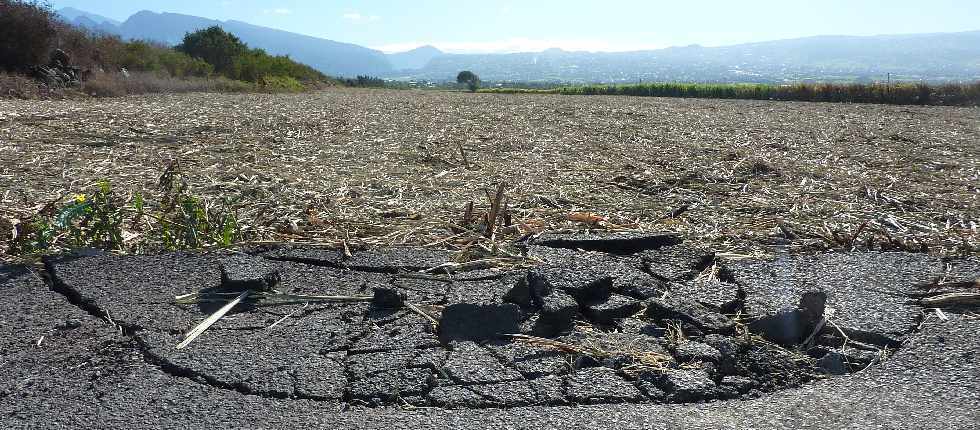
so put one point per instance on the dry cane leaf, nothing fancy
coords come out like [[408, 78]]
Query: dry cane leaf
[[585, 218]]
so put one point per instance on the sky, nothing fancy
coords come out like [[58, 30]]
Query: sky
[[535, 25]]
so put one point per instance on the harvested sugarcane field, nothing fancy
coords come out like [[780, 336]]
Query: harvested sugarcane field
[[376, 167], [364, 258]]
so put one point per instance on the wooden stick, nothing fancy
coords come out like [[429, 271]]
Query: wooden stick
[[952, 299], [209, 321]]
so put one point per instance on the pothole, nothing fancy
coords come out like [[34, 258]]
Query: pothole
[[642, 319]]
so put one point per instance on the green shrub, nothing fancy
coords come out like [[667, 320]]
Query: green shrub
[[909, 94], [281, 84], [232, 58], [217, 47]]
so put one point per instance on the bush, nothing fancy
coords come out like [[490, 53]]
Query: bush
[[115, 84], [232, 58], [902, 94], [26, 33], [215, 46], [29, 32], [366, 82], [281, 84]]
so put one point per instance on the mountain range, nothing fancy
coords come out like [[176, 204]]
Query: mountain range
[[328, 56], [933, 57]]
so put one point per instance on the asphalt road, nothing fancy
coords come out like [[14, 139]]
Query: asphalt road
[[95, 348]]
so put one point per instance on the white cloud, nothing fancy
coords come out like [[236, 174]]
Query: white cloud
[[357, 17], [521, 45], [280, 11]]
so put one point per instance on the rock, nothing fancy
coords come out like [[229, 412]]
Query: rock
[[387, 298], [691, 351], [240, 273], [833, 363], [689, 311], [615, 308], [792, 326], [465, 321]]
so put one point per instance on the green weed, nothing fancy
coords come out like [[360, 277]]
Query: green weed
[[103, 220]]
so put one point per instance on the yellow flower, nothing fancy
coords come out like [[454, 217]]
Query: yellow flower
[[80, 198]]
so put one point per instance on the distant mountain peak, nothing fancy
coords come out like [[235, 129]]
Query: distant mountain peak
[[71, 14], [414, 59]]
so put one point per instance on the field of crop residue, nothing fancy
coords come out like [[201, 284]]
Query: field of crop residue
[[362, 167]]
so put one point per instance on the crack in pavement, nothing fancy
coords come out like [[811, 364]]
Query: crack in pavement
[[489, 377], [76, 299]]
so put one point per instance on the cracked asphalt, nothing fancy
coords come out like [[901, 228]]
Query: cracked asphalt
[[90, 342]]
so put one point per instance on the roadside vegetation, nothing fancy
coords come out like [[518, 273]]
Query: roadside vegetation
[[207, 60], [898, 94], [166, 218]]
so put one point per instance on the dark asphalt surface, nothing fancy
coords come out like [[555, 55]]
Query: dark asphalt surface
[[65, 366]]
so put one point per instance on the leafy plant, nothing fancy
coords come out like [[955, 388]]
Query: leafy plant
[[180, 221]]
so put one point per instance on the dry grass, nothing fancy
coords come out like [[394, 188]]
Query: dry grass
[[386, 167], [16, 86], [116, 85]]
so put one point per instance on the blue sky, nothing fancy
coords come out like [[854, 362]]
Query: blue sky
[[534, 25]]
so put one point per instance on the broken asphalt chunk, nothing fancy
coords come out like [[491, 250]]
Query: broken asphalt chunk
[[680, 385], [586, 286], [612, 243], [689, 311], [241, 272], [557, 315], [387, 298], [465, 321], [600, 385], [615, 308], [677, 262], [791, 326]]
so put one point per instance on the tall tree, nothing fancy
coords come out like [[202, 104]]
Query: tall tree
[[469, 78]]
